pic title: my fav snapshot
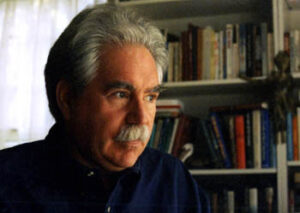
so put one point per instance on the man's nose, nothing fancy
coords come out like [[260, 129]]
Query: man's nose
[[137, 112]]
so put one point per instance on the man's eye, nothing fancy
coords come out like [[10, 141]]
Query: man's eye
[[121, 94], [151, 98]]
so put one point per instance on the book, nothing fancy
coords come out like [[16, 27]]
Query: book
[[171, 62], [264, 48], [235, 51], [219, 135], [298, 129], [256, 136], [295, 138], [231, 201], [207, 31], [221, 55], [229, 50], [249, 140], [159, 124], [173, 134], [289, 136], [199, 53], [207, 141], [265, 138], [270, 52], [257, 51], [253, 200], [242, 50], [240, 141]]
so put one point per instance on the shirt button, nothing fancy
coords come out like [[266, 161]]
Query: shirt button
[[91, 173], [108, 209]]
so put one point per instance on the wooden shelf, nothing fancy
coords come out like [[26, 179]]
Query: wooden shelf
[[209, 172], [213, 87], [156, 9], [293, 163]]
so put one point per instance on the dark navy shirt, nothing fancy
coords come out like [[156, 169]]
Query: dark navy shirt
[[41, 177]]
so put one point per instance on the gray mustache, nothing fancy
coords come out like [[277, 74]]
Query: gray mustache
[[133, 132]]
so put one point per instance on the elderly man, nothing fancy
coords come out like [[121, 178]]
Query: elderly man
[[103, 78]]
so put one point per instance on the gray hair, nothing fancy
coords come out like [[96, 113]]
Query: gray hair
[[76, 55]]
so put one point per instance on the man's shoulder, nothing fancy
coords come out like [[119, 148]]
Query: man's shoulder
[[20, 156], [157, 160], [20, 151]]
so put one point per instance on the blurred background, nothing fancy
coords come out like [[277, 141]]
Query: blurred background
[[28, 29]]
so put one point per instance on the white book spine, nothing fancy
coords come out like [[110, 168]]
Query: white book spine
[[253, 200], [230, 201], [256, 131]]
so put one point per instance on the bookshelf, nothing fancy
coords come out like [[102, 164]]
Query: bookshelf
[[198, 96], [222, 172], [289, 20]]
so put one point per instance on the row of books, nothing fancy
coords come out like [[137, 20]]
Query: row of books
[[203, 53], [232, 137], [292, 46], [246, 200]]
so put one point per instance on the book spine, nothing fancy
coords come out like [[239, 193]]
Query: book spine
[[249, 50], [229, 50], [199, 53], [221, 56], [171, 61], [265, 128], [253, 200], [270, 52], [231, 201], [235, 51], [217, 130], [175, 127], [289, 136], [204, 129], [256, 135], [298, 129], [213, 49], [240, 141], [232, 141], [249, 140], [295, 138], [257, 52], [242, 47], [264, 43]]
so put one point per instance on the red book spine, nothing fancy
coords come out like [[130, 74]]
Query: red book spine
[[240, 141], [295, 138]]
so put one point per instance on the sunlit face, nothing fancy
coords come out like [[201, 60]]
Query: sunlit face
[[124, 92]]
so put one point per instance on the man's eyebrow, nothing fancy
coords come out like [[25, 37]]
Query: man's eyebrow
[[130, 87], [158, 88], [119, 85]]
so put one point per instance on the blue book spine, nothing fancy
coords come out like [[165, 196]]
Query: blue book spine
[[289, 136], [218, 132], [204, 130], [273, 145], [266, 161]]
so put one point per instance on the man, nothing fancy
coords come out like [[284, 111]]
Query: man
[[103, 78]]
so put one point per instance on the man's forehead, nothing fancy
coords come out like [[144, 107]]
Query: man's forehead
[[130, 86]]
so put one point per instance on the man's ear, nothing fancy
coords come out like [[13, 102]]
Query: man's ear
[[64, 98]]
